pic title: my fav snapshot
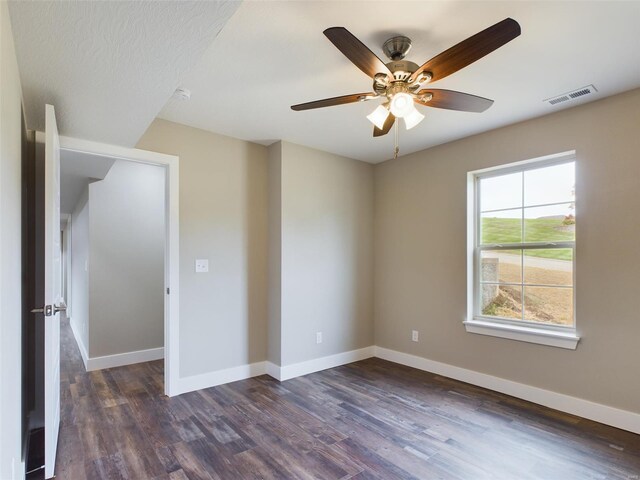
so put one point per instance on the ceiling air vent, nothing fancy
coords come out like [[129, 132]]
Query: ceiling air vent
[[565, 97]]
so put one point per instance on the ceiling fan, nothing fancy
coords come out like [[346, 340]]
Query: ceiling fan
[[403, 83]]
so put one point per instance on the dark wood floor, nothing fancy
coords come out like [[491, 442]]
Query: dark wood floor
[[368, 420]]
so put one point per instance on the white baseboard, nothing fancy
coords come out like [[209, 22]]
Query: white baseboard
[[615, 417], [219, 377], [242, 372], [121, 359], [576, 406], [81, 347], [272, 370], [304, 368]]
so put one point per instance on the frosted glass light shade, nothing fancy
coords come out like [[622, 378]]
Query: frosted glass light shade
[[413, 118], [401, 104], [379, 116]]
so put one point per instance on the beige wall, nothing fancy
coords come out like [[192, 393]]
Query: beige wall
[[126, 260], [420, 252], [288, 233], [223, 218], [11, 465], [327, 253]]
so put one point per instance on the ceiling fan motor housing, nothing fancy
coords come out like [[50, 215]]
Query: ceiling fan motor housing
[[401, 71]]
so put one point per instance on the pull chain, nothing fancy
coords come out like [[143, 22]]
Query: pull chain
[[396, 150]]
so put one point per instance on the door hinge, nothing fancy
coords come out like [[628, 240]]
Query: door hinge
[[167, 290]]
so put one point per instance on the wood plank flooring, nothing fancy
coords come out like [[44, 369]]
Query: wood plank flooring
[[368, 420]]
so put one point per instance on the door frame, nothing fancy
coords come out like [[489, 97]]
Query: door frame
[[172, 252]]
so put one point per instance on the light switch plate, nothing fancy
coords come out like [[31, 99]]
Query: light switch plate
[[202, 265]]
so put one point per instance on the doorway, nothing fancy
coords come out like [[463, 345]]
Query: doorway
[[126, 163], [114, 236]]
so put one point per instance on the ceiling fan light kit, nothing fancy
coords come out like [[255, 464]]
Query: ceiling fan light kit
[[413, 119], [402, 83], [401, 104], [379, 116]]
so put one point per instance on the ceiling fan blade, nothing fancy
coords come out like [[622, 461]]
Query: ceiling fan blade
[[378, 132], [452, 100], [329, 102], [356, 51], [470, 50]]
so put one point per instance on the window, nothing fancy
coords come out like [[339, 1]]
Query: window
[[522, 220]]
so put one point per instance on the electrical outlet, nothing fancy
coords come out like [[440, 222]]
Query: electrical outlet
[[414, 335], [319, 337]]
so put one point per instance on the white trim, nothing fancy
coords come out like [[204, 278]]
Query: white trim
[[553, 338], [317, 364], [121, 359], [272, 370], [81, 347], [242, 372], [528, 164], [218, 377], [615, 417], [172, 252], [114, 151]]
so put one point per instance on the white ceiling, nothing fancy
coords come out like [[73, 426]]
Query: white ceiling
[[77, 170], [109, 67], [273, 54]]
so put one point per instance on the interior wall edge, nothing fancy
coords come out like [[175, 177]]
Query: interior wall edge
[[79, 342], [12, 463], [272, 370], [299, 369]]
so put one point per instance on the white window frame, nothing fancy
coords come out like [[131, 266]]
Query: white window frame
[[532, 332]]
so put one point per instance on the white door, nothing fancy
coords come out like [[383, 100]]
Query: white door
[[52, 291]]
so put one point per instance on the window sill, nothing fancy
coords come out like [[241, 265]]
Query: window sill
[[552, 338]]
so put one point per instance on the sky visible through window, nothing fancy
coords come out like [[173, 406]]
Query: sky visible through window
[[543, 186]]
